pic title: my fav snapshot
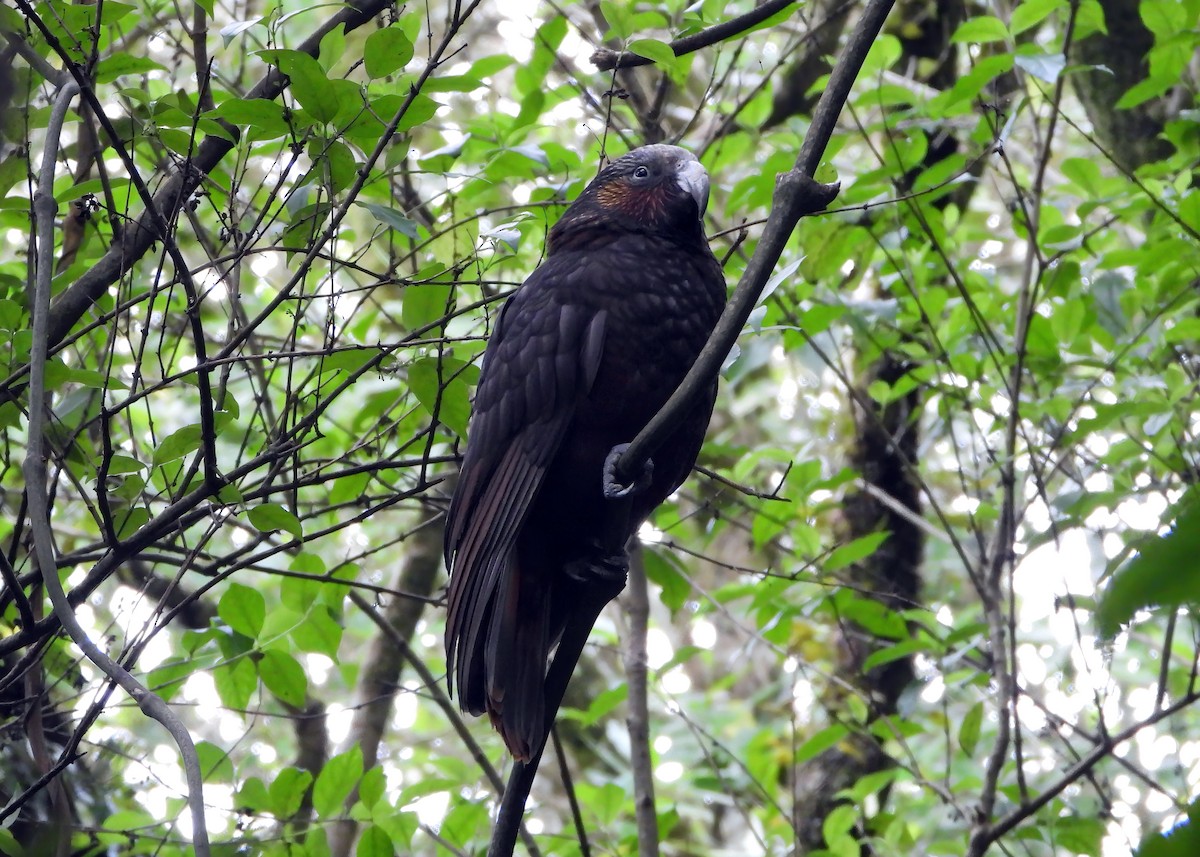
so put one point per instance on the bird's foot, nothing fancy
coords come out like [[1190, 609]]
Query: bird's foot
[[613, 488], [599, 568]]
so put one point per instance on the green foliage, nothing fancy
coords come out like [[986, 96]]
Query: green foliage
[[247, 463], [1163, 574]]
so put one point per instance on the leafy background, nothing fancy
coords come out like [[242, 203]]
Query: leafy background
[[928, 593]]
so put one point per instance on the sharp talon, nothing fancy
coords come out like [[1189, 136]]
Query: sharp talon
[[613, 489], [603, 568]]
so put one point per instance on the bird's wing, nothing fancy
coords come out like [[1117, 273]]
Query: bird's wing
[[542, 358]]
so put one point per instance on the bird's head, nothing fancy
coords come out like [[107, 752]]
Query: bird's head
[[658, 189]]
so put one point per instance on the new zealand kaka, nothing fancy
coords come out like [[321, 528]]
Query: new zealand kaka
[[583, 355]]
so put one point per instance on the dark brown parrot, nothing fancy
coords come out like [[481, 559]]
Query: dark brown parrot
[[584, 354]]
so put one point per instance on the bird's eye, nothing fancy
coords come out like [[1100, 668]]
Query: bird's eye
[[641, 173]]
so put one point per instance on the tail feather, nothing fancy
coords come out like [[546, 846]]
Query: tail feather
[[516, 655]]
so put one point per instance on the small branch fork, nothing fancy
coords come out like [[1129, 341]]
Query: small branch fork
[[34, 469], [797, 194], [607, 59]]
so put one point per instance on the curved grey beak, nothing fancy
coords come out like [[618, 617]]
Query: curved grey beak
[[693, 178]]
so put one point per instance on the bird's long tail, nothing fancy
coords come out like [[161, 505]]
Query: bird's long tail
[[516, 655], [590, 600]]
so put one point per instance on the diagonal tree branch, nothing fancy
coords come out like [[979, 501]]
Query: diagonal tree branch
[[607, 59], [797, 194]]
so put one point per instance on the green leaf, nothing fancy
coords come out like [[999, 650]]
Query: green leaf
[[130, 819], [243, 609], [167, 679], [819, 743], [112, 67], [664, 570], [11, 21], [392, 218], [855, 551], [253, 795], [1067, 320], [269, 517], [334, 163], [258, 113], [1031, 13], [215, 764], [12, 316], [374, 843], [1043, 66], [386, 51], [968, 731], [178, 444], [1084, 173], [425, 303], [284, 677], [1144, 90], [888, 654], [981, 29], [337, 779], [287, 791], [422, 109], [119, 465], [235, 28], [298, 593], [973, 82], [1079, 835], [332, 49], [653, 49], [1164, 18], [604, 802], [236, 682], [400, 826], [319, 632], [1163, 574], [601, 705], [372, 787], [443, 389], [130, 521], [1182, 840], [839, 822], [9, 844], [308, 83], [620, 21]]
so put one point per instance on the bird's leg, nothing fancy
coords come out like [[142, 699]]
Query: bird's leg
[[605, 560], [613, 489], [599, 566]]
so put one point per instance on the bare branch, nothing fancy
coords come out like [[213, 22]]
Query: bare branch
[[606, 59], [638, 720], [35, 485]]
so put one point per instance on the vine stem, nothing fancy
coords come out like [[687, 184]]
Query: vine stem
[[35, 471]]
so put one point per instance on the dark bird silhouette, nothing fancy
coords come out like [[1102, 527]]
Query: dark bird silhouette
[[584, 354]]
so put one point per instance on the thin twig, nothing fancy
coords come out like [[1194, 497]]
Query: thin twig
[[1101, 751], [606, 59], [35, 484], [1002, 634], [564, 773]]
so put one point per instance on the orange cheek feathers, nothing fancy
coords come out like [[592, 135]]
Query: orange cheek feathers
[[638, 204]]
